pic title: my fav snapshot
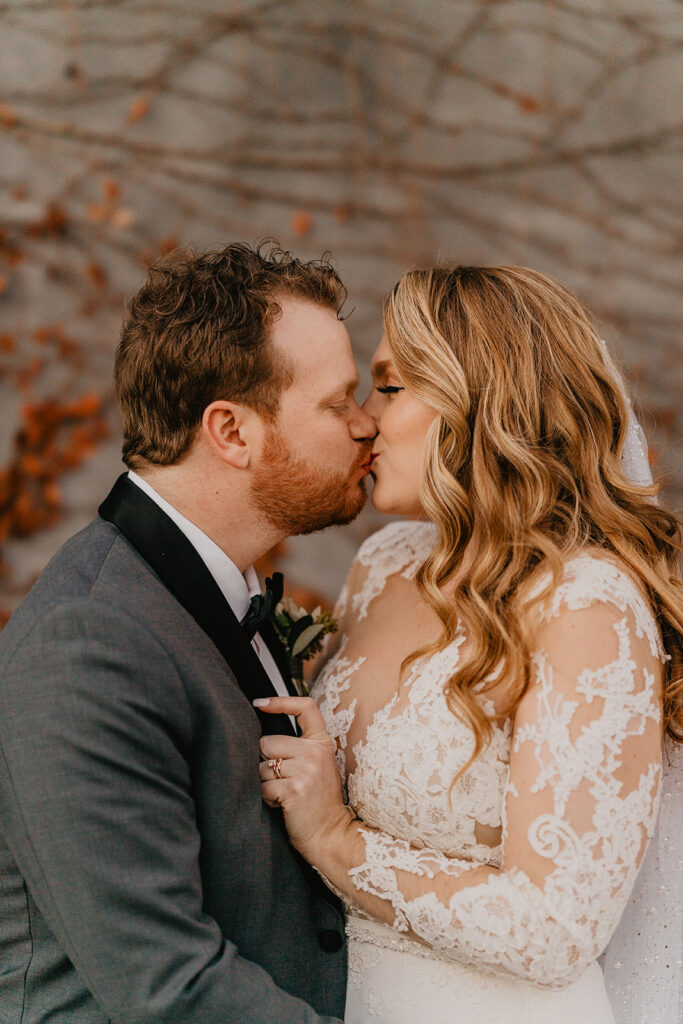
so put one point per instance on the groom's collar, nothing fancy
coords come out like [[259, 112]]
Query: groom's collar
[[237, 589], [174, 559]]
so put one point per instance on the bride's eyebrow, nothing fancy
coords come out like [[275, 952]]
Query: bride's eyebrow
[[381, 369]]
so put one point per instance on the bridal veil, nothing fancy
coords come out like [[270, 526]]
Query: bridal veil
[[644, 959]]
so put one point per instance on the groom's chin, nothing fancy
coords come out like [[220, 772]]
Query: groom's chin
[[357, 504], [343, 514]]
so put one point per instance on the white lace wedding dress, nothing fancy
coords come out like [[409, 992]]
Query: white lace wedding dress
[[505, 887]]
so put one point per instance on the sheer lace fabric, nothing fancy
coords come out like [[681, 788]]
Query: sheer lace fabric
[[643, 964], [524, 866]]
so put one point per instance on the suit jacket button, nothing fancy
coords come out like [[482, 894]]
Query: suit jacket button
[[330, 940]]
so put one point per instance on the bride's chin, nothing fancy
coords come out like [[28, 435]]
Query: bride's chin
[[376, 499], [396, 504], [393, 503], [380, 504]]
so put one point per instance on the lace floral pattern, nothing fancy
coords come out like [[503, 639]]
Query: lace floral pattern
[[415, 778], [562, 778], [398, 548], [594, 580], [335, 679]]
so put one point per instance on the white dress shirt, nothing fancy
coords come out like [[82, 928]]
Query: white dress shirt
[[237, 589]]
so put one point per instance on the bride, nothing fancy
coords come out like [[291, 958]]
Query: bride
[[507, 667]]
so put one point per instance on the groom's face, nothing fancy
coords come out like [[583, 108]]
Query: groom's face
[[315, 457]]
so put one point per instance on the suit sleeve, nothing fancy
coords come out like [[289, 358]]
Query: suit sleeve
[[96, 796]]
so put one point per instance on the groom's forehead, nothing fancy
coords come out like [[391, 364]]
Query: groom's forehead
[[329, 374], [311, 335], [324, 372], [302, 316]]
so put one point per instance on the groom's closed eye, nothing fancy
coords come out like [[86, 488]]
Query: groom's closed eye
[[339, 397]]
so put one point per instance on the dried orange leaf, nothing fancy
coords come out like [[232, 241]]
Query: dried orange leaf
[[302, 222], [97, 212], [110, 189], [8, 117], [529, 104], [96, 273], [138, 110], [168, 244], [122, 217]]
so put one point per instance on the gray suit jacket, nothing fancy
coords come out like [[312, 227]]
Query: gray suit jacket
[[142, 879]]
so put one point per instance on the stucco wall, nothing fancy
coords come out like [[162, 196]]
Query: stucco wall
[[392, 133]]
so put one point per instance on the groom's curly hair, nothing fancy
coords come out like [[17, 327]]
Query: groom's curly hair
[[198, 330]]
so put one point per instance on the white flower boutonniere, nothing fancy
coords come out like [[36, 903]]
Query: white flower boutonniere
[[302, 634]]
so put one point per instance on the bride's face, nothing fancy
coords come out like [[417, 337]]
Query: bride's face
[[403, 421]]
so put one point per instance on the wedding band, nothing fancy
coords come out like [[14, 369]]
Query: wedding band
[[276, 764]]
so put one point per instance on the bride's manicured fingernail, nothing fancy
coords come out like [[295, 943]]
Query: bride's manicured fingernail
[[261, 702]]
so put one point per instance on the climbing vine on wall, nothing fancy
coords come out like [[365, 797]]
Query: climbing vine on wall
[[392, 133]]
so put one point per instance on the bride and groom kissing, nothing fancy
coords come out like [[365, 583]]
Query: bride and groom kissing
[[458, 813]]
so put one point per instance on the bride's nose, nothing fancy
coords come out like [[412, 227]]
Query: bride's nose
[[372, 406]]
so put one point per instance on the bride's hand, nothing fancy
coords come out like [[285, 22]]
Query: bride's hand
[[300, 775]]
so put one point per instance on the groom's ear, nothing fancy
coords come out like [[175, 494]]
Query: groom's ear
[[231, 430]]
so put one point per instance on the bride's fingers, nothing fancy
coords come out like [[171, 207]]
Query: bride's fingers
[[268, 769], [274, 792], [280, 746], [304, 709]]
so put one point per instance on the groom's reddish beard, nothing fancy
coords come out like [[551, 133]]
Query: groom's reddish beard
[[297, 499]]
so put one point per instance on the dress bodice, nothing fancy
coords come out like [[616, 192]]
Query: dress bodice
[[557, 775], [413, 747]]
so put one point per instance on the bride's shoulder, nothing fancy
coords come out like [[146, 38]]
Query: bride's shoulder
[[403, 540], [589, 575], [590, 580], [398, 548]]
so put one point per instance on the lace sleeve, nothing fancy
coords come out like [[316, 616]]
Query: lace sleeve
[[580, 803]]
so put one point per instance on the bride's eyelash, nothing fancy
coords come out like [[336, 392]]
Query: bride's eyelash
[[388, 389]]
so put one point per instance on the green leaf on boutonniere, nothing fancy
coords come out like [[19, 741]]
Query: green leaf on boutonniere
[[284, 622], [306, 637], [302, 634], [297, 629]]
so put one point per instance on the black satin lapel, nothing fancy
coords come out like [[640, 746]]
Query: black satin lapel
[[280, 656], [172, 557], [281, 659]]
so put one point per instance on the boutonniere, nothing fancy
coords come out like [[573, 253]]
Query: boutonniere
[[302, 634]]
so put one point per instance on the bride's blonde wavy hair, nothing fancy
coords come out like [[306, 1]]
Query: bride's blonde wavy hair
[[522, 469]]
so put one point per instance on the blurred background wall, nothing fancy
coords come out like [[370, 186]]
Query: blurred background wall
[[391, 132]]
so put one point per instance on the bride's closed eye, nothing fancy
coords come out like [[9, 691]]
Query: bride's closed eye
[[387, 389]]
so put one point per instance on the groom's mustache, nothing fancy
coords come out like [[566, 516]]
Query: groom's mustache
[[365, 454]]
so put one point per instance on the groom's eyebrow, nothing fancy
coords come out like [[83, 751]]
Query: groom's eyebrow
[[343, 391]]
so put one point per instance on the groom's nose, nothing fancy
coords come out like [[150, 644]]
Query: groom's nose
[[362, 426]]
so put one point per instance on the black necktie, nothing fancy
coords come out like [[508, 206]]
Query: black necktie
[[262, 606]]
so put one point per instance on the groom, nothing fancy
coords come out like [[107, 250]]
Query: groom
[[142, 879]]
